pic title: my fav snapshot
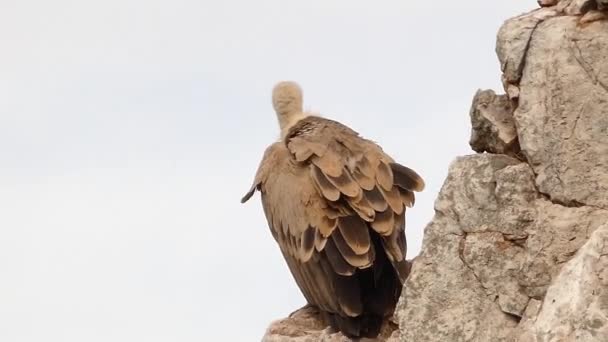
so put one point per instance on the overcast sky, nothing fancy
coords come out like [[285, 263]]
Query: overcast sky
[[130, 129]]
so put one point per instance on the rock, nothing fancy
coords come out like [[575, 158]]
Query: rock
[[576, 304], [562, 113], [303, 325], [504, 227], [444, 299], [493, 126], [514, 40], [306, 325], [497, 244]]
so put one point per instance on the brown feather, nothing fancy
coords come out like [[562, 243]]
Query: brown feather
[[307, 244], [364, 181], [323, 278], [376, 199], [366, 167], [338, 264], [327, 225], [320, 241], [403, 268], [300, 149], [348, 292], [249, 193], [363, 208], [328, 190], [303, 149], [384, 176], [393, 199], [407, 178], [345, 183], [392, 246], [407, 197], [317, 284], [384, 222], [330, 164], [360, 261], [355, 234], [303, 283]]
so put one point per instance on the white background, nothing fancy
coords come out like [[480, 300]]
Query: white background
[[130, 129]]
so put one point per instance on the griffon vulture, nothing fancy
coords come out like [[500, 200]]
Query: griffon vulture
[[335, 204]]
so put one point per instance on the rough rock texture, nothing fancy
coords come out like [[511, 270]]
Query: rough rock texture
[[305, 325], [493, 124], [576, 304], [562, 110], [518, 247], [504, 228]]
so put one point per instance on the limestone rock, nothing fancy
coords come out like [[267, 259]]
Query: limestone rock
[[576, 304], [497, 244], [306, 325], [493, 256], [563, 111], [493, 126], [444, 299], [514, 40]]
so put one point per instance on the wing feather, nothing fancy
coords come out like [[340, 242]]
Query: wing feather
[[406, 178], [384, 176], [328, 190], [357, 260], [355, 233], [345, 183], [339, 265], [331, 164], [384, 222], [376, 199], [393, 199]]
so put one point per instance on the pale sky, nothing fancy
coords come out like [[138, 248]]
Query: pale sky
[[130, 129]]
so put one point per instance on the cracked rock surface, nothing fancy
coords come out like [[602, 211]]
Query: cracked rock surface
[[575, 305], [518, 247], [515, 251]]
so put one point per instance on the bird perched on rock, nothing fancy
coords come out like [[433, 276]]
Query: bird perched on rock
[[335, 204]]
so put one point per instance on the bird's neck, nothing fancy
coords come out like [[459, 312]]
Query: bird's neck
[[289, 120]]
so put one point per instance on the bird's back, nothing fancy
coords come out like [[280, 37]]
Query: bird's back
[[335, 204]]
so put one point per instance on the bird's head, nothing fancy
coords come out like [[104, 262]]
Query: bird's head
[[287, 102]]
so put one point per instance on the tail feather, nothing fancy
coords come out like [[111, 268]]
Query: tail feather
[[380, 288]]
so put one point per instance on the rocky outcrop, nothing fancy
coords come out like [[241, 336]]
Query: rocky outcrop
[[502, 258], [517, 250], [575, 306], [306, 325]]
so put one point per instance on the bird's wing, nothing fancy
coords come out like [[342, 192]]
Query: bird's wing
[[362, 187], [290, 199], [324, 190]]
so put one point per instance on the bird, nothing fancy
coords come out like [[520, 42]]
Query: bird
[[335, 204]]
